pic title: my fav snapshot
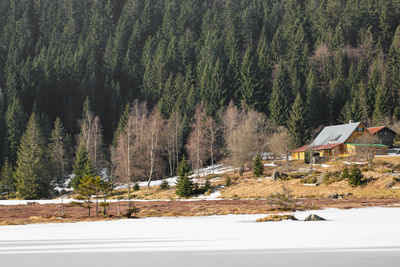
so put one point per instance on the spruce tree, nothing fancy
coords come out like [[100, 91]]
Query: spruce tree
[[258, 167], [313, 101], [32, 172], [15, 123], [7, 182], [184, 184], [121, 124], [296, 123], [355, 176], [278, 105], [81, 167], [251, 82], [58, 153], [382, 103]]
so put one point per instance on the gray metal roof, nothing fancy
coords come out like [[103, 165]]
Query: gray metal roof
[[336, 134]]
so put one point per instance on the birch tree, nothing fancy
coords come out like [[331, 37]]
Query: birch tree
[[198, 143]]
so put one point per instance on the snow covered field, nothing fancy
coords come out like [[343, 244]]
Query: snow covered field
[[363, 232]]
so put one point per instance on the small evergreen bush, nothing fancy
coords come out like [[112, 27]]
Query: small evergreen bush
[[136, 187], [207, 185], [355, 176], [258, 168], [228, 181], [345, 173], [164, 184]]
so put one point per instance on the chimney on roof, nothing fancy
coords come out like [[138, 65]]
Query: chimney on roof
[[351, 121]]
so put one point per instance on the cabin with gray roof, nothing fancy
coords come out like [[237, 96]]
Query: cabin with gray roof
[[338, 140]]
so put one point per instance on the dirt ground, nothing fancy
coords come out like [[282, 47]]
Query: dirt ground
[[49, 213]]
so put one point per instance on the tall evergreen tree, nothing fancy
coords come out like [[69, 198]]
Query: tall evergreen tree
[[281, 90], [258, 167], [296, 122], [184, 184], [382, 103], [32, 172], [7, 182], [122, 123], [15, 123], [82, 166], [251, 83], [59, 153]]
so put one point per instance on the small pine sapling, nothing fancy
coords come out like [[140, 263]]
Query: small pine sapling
[[207, 185], [258, 168], [228, 181], [164, 184], [355, 176], [184, 184], [136, 187], [345, 173]]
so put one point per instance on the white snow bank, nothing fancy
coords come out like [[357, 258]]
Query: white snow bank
[[354, 163], [270, 164], [369, 228]]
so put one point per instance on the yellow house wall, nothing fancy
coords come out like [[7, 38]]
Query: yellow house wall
[[298, 155]]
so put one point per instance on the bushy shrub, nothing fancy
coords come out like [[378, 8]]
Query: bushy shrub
[[228, 181], [258, 168], [207, 185], [309, 180], [355, 176], [164, 184], [345, 173], [136, 187], [385, 170]]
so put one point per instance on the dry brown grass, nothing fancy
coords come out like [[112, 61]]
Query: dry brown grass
[[276, 218], [251, 188]]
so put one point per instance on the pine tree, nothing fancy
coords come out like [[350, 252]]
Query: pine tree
[[278, 105], [251, 82], [32, 173], [296, 122], [121, 124], [355, 176], [15, 123], [89, 186], [58, 152], [313, 102], [382, 103], [7, 182], [81, 167], [258, 167], [184, 184]]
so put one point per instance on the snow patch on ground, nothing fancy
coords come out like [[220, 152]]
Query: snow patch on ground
[[216, 169], [369, 228], [270, 164], [354, 163]]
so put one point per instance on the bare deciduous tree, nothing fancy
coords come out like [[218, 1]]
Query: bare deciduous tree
[[282, 143], [172, 137], [244, 133], [198, 142], [92, 139], [154, 127], [212, 133], [129, 145], [366, 148]]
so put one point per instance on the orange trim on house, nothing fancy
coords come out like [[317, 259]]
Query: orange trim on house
[[374, 130]]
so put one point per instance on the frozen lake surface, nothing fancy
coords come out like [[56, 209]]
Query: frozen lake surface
[[355, 237]]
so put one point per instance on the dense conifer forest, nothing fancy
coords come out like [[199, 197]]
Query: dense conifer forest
[[70, 71]]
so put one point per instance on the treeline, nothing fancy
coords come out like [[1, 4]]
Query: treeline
[[300, 63], [145, 147]]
